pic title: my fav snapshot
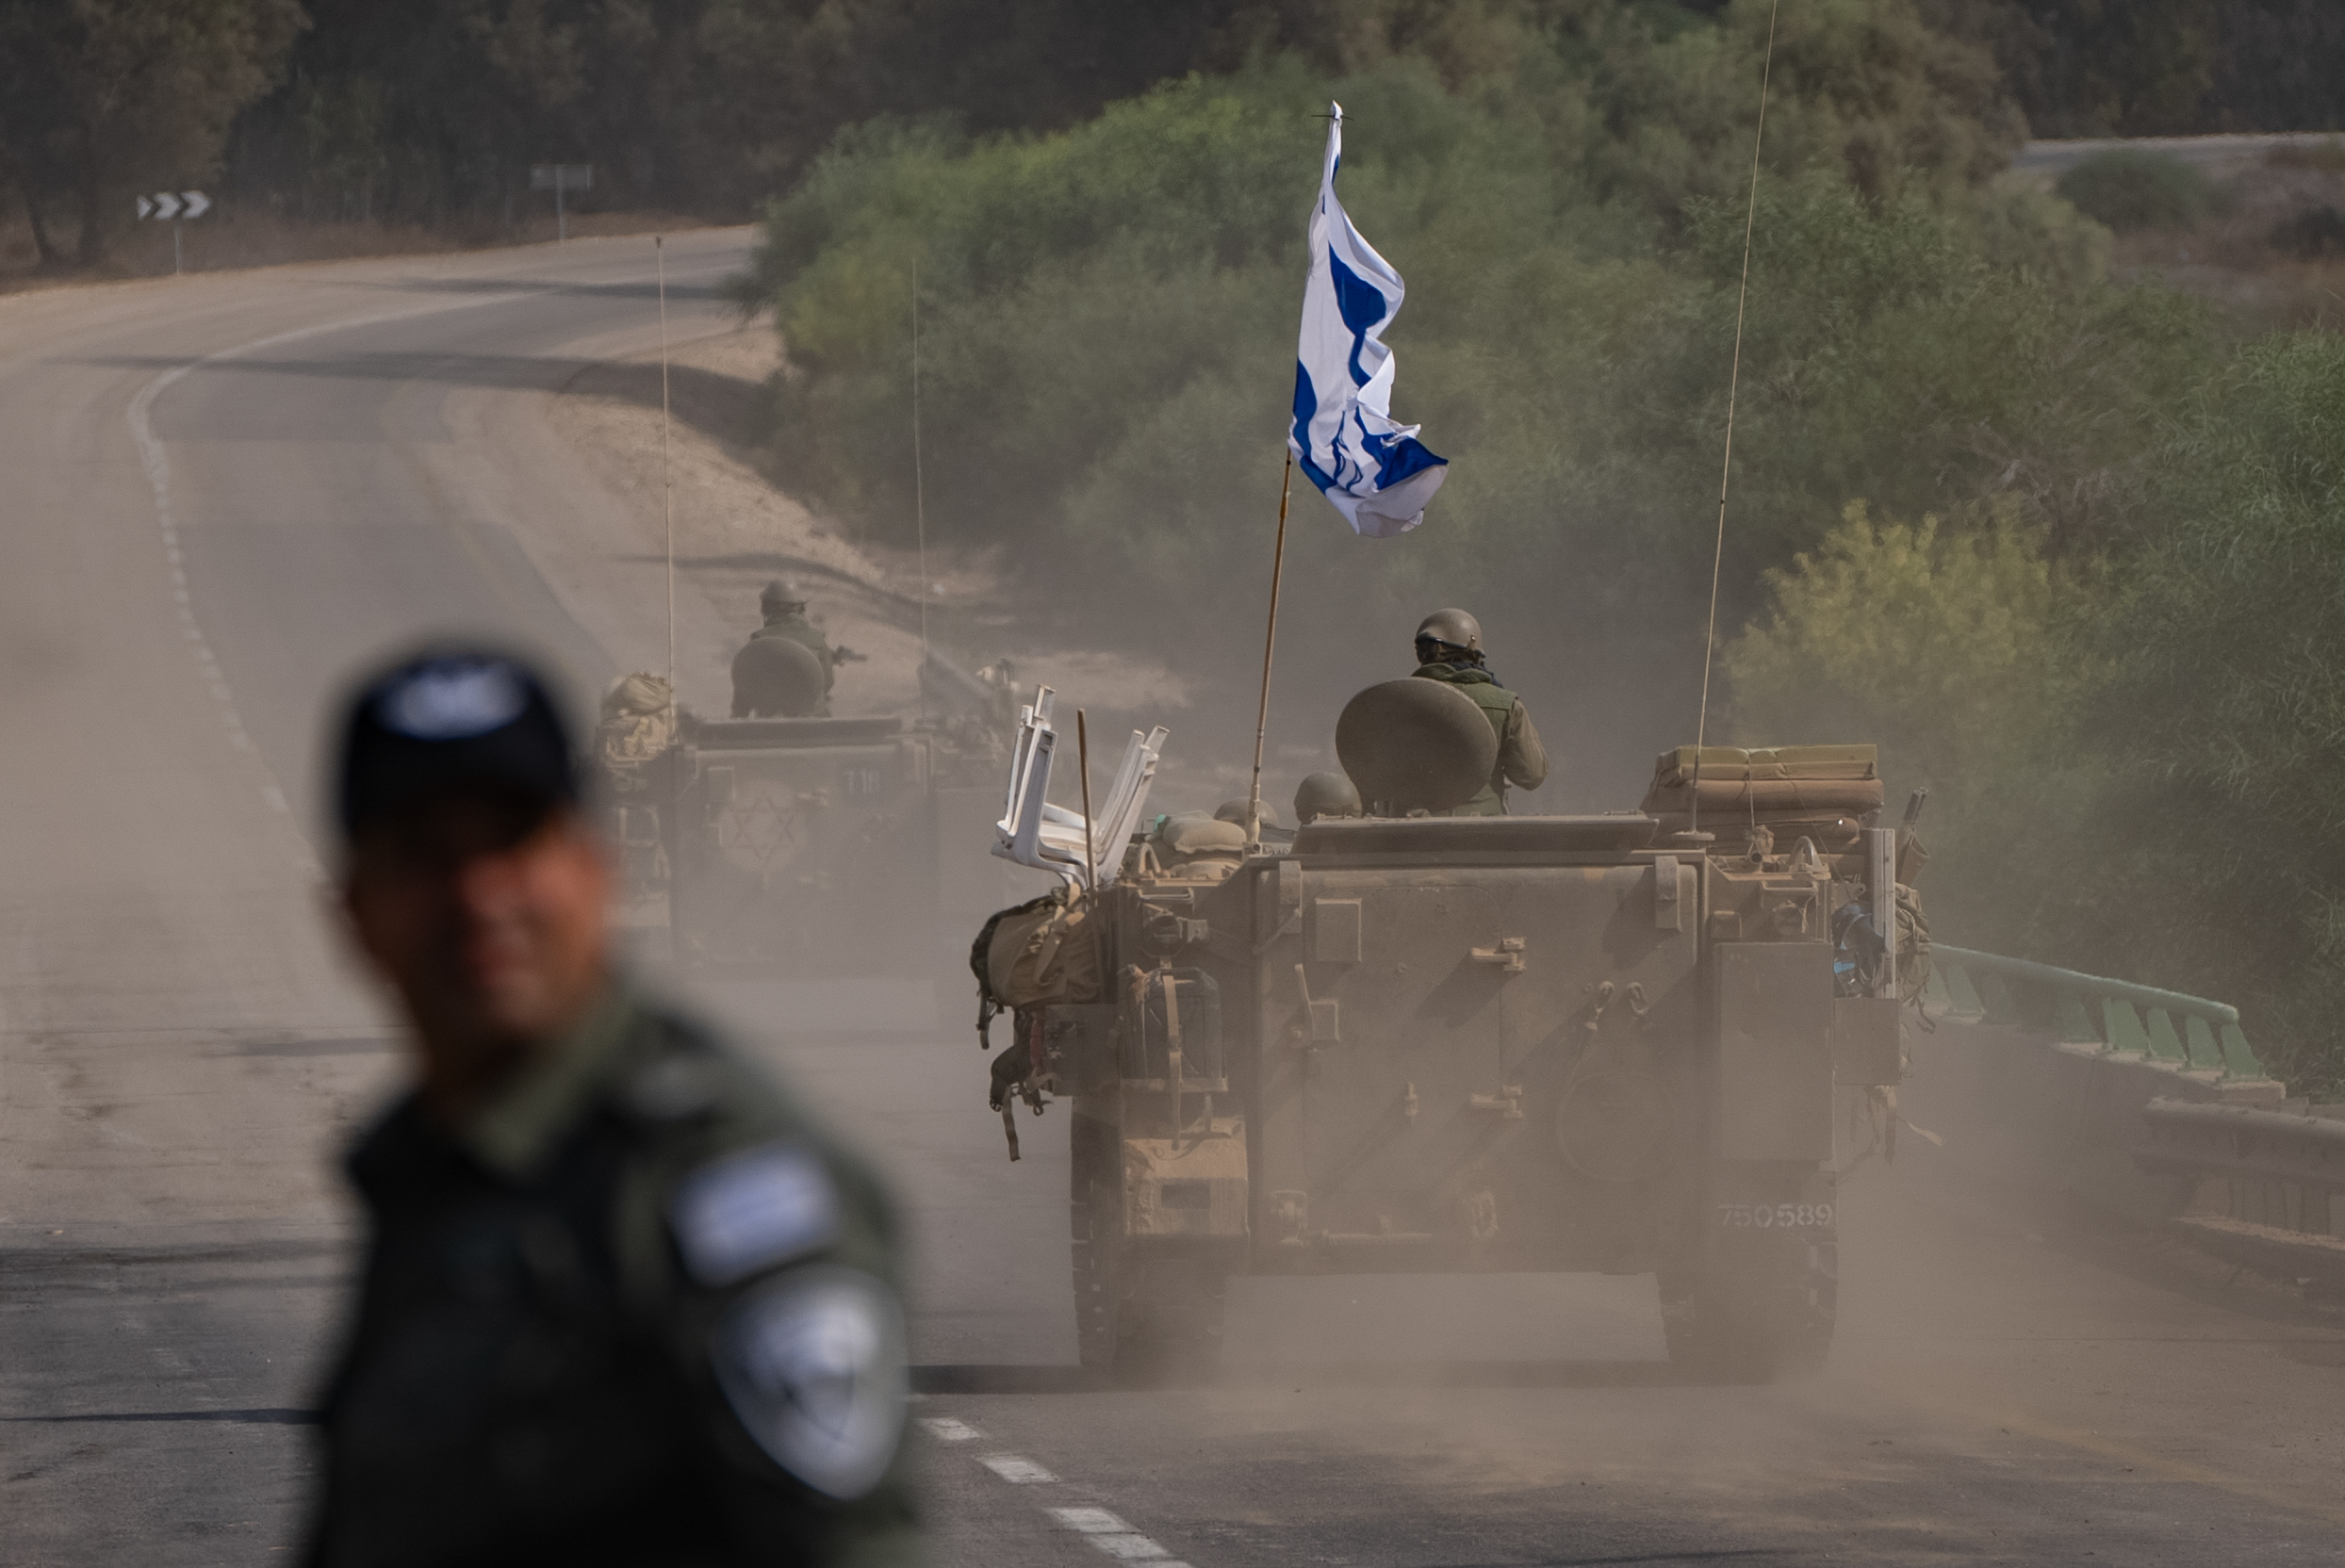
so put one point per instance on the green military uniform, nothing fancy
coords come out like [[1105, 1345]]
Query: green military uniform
[[1522, 761], [636, 1311], [794, 625]]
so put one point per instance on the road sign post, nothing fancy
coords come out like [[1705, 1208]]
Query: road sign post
[[175, 206], [558, 178]]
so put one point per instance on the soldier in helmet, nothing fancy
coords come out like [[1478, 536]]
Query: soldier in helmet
[[1326, 795], [1448, 647], [783, 605]]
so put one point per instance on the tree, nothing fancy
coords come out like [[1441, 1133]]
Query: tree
[[104, 96]]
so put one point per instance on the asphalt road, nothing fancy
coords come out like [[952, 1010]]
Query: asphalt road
[[224, 492]]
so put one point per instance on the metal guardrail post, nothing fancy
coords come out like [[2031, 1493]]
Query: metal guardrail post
[[2071, 1024], [2164, 1043], [1953, 984], [2123, 1027], [2238, 1059]]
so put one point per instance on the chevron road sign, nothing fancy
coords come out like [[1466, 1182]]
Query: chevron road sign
[[179, 204], [176, 206]]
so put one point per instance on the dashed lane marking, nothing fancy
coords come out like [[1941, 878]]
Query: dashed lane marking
[[1019, 1472], [1113, 1536], [1106, 1531]]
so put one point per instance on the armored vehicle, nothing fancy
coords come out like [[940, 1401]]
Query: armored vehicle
[[1620, 1044], [823, 847], [828, 847]]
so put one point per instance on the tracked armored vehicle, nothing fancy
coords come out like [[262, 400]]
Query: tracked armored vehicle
[[1618, 1044], [813, 847]]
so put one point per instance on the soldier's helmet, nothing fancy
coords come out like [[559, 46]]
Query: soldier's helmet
[[1451, 629], [1326, 795], [781, 598], [1234, 810]]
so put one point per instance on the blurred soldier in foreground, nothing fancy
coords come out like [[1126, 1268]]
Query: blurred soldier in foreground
[[624, 1303], [1448, 648], [772, 678]]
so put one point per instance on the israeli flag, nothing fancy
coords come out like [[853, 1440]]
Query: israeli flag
[[1375, 472]]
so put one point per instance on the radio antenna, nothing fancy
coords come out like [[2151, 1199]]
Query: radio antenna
[[920, 500], [1726, 467], [667, 477]]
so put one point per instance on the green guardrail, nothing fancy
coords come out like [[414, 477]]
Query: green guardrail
[[2118, 1016]]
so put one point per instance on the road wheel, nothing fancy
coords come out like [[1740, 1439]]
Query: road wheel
[[1102, 1289], [1757, 1305]]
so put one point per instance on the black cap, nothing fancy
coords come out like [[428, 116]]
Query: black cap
[[453, 718]]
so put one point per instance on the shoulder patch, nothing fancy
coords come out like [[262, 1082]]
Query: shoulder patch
[[751, 1210], [814, 1366]]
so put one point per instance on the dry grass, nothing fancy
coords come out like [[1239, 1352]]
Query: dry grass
[[2250, 257], [226, 239]]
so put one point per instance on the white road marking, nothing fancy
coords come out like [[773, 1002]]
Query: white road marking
[[945, 1429], [1113, 1536], [1103, 1529], [1020, 1472], [1089, 1521]]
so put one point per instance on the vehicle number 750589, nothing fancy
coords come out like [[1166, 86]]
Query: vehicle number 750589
[[1778, 1216]]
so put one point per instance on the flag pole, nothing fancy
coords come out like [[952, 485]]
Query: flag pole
[[1091, 850], [1270, 646]]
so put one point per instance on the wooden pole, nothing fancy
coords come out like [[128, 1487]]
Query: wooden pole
[[1083, 761], [1269, 646]]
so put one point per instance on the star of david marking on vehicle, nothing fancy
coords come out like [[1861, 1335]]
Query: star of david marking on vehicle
[[764, 829]]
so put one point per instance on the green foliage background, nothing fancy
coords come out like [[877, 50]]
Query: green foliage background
[[2129, 188], [2069, 548], [2136, 753]]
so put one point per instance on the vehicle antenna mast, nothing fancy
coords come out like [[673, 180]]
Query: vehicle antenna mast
[[920, 500], [667, 477], [1726, 467]]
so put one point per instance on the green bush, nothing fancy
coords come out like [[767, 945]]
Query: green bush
[[2137, 759], [1964, 652], [2226, 704], [2128, 189], [1108, 321]]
